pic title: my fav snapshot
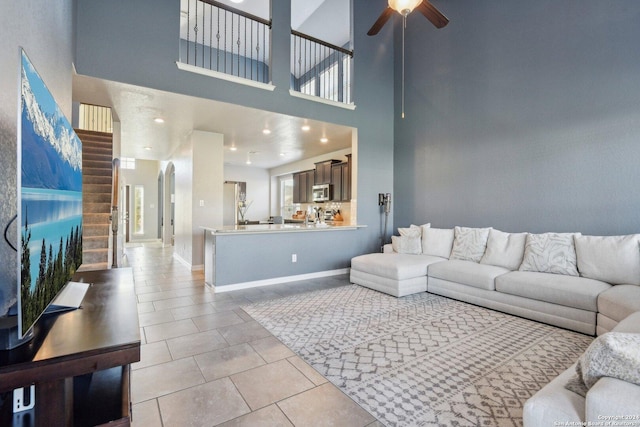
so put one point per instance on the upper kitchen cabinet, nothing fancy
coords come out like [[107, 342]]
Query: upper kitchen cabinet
[[341, 180], [302, 186], [323, 172]]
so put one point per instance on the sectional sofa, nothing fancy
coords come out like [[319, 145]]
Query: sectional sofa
[[590, 284], [584, 283]]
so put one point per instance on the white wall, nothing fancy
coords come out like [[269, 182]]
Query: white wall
[[257, 180], [208, 166], [183, 163], [44, 29], [146, 175]]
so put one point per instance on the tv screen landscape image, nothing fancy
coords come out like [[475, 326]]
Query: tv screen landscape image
[[49, 198]]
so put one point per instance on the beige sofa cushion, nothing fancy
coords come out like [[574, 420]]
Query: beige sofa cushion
[[469, 244], [619, 301], [467, 273], [570, 291], [437, 241], [504, 249], [394, 266], [550, 253], [612, 259]]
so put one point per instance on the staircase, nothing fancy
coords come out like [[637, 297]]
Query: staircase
[[97, 157]]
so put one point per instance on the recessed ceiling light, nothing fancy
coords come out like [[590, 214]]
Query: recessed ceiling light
[[147, 148], [266, 131], [158, 120], [306, 128], [237, 1], [233, 148], [282, 154], [248, 162], [324, 140]]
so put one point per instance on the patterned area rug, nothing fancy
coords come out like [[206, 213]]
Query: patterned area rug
[[422, 360]]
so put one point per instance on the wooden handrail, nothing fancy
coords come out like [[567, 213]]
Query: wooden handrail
[[115, 185], [323, 43], [238, 12], [115, 182]]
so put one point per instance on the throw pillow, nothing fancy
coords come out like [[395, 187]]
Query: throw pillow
[[614, 354], [406, 244], [504, 249], [412, 231], [611, 259], [469, 244], [437, 241], [550, 253]]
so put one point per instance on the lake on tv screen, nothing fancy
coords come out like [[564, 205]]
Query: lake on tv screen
[[51, 215]]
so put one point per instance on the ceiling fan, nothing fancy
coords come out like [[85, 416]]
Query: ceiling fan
[[404, 8]]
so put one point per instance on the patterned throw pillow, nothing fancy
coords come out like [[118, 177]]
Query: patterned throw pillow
[[614, 354], [550, 253], [410, 240], [406, 244], [469, 244]]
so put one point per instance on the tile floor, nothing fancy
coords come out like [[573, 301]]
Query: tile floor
[[205, 362]]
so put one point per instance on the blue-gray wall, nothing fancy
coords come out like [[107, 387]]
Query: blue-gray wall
[[44, 30], [521, 115], [136, 42]]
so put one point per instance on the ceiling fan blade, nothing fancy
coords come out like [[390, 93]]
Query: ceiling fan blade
[[382, 19], [432, 14]]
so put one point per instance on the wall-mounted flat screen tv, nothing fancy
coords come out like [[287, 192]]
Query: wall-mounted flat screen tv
[[49, 198]]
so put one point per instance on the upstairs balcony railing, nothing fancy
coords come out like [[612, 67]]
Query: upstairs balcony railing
[[321, 69], [95, 118], [220, 38]]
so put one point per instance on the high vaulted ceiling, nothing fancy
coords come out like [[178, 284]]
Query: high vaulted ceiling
[[137, 107]]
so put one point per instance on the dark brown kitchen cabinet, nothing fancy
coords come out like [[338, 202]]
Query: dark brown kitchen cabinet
[[341, 181], [323, 172], [302, 186]]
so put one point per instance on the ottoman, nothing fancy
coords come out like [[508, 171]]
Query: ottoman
[[392, 273]]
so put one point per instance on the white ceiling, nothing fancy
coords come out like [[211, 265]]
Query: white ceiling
[[137, 107]]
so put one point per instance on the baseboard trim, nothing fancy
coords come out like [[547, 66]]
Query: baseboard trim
[[278, 280]]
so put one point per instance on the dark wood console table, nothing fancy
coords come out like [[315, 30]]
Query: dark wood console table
[[69, 347]]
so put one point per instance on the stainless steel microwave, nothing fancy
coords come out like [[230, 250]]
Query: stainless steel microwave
[[321, 193]]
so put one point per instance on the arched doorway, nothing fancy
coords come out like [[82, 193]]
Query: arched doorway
[[160, 204], [169, 211]]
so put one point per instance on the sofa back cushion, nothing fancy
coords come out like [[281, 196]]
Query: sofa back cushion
[[406, 244], [437, 241], [504, 249], [611, 259], [550, 253], [469, 244]]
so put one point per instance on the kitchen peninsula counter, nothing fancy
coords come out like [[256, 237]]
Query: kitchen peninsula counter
[[281, 228], [245, 256]]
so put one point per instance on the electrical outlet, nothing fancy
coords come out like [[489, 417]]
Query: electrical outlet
[[24, 401], [201, 203], [294, 257]]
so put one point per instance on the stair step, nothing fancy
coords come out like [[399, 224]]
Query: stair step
[[95, 230], [93, 257], [101, 157], [93, 207], [97, 188], [97, 218], [95, 266], [97, 171], [96, 179], [95, 242], [100, 164], [97, 198]]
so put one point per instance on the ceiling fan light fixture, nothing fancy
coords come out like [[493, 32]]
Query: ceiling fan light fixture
[[404, 7]]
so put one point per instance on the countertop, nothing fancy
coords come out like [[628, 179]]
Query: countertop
[[281, 228]]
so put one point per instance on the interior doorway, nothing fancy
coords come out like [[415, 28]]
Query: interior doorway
[[160, 204], [127, 204]]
